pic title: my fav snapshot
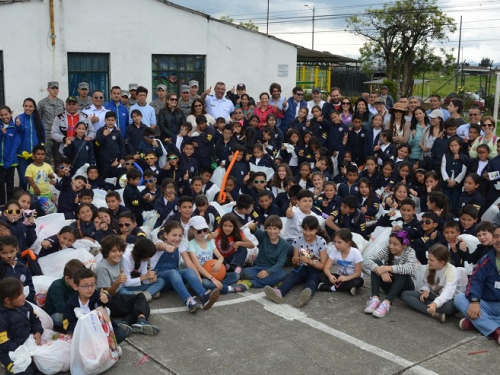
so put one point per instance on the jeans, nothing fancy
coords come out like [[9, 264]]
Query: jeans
[[304, 274], [176, 279], [230, 279], [21, 170], [250, 273], [344, 286], [238, 258], [490, 314], [412, 300], [152, 288], [57, 318], [6, 180], [399, 284]]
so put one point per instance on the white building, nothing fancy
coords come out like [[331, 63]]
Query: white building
[[117, 42]]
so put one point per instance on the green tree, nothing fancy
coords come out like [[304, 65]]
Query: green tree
[[401, 33], [247, 25], [485, 61]]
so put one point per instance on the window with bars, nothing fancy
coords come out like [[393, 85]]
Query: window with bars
[[176, 70], [92, 68], [2, 89]]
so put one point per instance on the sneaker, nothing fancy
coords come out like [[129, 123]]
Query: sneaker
[[465, 324], [382, 310], [496, 335], [146, 328], [128, 330], [240, 288], [192, 305], [248, 283], [304, 297], [372, 305], [321, 287], [156, 295], [439, 316], [209, 298], [273, 294], [353, 291]]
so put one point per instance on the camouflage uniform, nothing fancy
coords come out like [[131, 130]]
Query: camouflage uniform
[[158, 106], [49, 109], [185, 107], [84, 103]]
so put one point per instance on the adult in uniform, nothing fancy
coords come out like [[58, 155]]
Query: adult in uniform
[[83, 98], [49, 108], [132, 99], [161, 100], [185, 101], [193, 90], [124, 95], [71, 116], [96, 111]]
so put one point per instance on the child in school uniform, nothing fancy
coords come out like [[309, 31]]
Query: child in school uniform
[[111, 145], [349, 217], [132, 197], [60, 241], [78, 149], [468, 218]]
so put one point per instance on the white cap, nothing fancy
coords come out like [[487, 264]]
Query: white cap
[[198, 222], [436, 113]]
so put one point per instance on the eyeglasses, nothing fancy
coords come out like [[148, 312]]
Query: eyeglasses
[[98, 97], [150, 137], [198, 106], [397, 111], [61, 167], [427, 221], [150, 180], [10, 212], [346, 103], [149, 158], [173, 158], [302, 94], [489, 125], [200, 231], [173, 99], [474, 114], [87, 286], [129, 163], [259, 181], [121, 225]]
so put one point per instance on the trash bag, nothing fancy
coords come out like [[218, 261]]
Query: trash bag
[[214, 189], [42, 284], [53, 264], [93, 348], [47, 226], [82, 171]]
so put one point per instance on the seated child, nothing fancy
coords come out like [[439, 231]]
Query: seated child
[[426, 236], [284, 199], [165, 205], [349, 261], [114, 203], [231, 193], [350, 187], [105, 224], [209, 213], [408, 220], [39, 173], [10, 266], [453, 244], [150, 193], [440, 286], [132, 309], [24, 232], [328, 200], [151, 163], [137, 268], [296, 215], [60, 241], [184, 214], [127, 226], [349, 217], [484, 231], [244, 209], [68, 197], [392, 270], [201, 250], [468, 217], [60, 292], [84, 225], [265, 206], [259, 184], [95, 181], [309, 258], [132, 197], [17, 322]]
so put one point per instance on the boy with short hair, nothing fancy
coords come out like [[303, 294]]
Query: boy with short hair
[[127, 225], [231, 193], [259, 185], [283, 199], [484, 231], [184, 214], [296, 214], [468, 218], [114, 203], [151, 162], [188, 164], [267, 267], [206, 175], [134, 134], [70, 189], [350, 187], [39, 173], [224, 146], [150, 144], [148, 112], [95, 181], [456, 247], [60, 291], [132, 309], [265, 206], [349, 217], [426, 236], [244, 209], [132, 197], [111, 145], [151, 192], [408, 221], [209, 213]]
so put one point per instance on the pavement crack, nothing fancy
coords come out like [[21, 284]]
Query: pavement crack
[[152, 357], [312, 359]]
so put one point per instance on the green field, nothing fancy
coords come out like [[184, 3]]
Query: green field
[[439, 84]]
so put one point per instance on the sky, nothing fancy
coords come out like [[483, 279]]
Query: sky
[[292, 21]]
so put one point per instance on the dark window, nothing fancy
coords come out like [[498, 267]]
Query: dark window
[[2, 89], [176, 70], [92, 68]]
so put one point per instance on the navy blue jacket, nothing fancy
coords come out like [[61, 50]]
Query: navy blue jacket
[[66, 202], [264, 214], [20, 272], [222, 150], [84, 229], [79, 152], [356, 145], [388, 154], [133, 137], [55, 246], [370, 143], [345, 190], [121, 208], [111, 147], [205, 143], [133, 199], [484, 277], [164, 207], [69, 317], [145, 147], [25, 234]]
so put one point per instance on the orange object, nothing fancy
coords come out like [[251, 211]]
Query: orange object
[[218, 275], [222, 193]]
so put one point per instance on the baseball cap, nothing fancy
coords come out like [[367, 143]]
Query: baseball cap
[[316, 89], [198, 222], [184, 88], [124, 93], [83, 85], [241, 86], [379, 100], [385, 87], [437, 113], [161, 86], [194, 83], [133, 86], [53, 84], [71, 99]]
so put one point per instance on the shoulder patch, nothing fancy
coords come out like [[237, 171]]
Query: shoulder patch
[[255, 214], [65, 324], [3, 337], [84, 114]]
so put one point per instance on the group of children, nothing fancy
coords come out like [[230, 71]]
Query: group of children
[[370, 185]]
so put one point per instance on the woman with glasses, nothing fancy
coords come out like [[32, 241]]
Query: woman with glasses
[[347, 112], [489, 138], [361, 107], [198, 108], [398, 125], [419, 123], [171, 117]]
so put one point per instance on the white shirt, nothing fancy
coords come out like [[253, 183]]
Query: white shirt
[[346, 266], [310, 105], [219, 107], [293, 226], [100, 113], [463, 130]]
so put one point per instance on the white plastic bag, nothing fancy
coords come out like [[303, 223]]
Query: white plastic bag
[[99, 198], [360, 242], [491, 212], [268, 171], [251, 253], [53, 357], [82, 171], [379, 239], [218, 176], [419, 275], [53, 264], [45, 318], [47, 226], [471, 242], [93, 348], [162, 160], [212, 192], [150, 218], [21, 357]]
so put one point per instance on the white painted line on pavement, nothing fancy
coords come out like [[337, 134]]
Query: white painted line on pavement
[[290, 313], [245, 297]]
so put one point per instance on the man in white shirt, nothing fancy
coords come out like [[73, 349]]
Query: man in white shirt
[[371, 102], [96, 111], [316, 100], [217, 105], [474, 118]]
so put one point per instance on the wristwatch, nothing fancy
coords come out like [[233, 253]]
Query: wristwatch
[[475, 300]]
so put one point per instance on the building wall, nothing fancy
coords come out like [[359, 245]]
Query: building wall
[[131, 31]]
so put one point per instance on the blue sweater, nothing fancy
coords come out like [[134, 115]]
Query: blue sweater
[[29, 135], [9, 144]]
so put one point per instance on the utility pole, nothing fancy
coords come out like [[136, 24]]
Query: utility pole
[[267, 25], [314, 14], [458, 59]]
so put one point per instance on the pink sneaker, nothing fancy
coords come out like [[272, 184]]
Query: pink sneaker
[[372, 305], [382, 310]]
